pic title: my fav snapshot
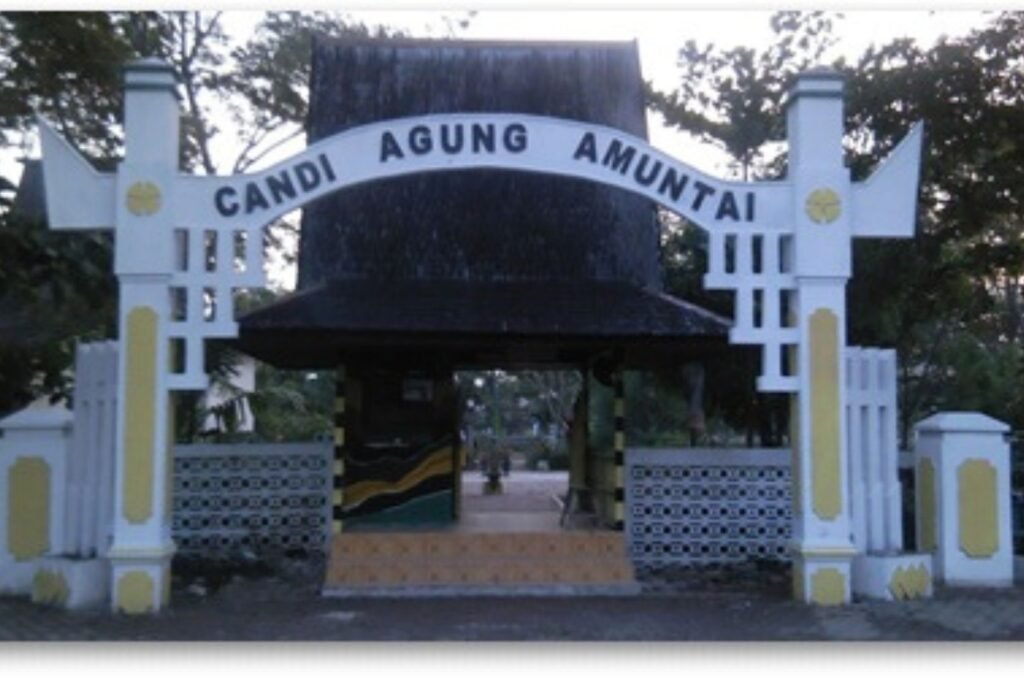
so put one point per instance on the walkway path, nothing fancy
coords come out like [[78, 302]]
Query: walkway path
[[526, 503]]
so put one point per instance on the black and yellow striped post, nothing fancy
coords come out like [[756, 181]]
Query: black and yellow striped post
[[619, 509], [337, 511]]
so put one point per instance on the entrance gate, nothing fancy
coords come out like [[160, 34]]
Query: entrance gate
[[783, 247]]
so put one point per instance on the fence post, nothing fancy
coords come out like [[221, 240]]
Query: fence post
[[963, 498], [881, 570], [33, 453]]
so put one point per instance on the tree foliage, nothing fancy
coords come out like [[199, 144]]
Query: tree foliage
[[734, 98], [948, 300], [62, 290], [67, 66]]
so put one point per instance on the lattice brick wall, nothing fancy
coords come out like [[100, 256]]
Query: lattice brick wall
[[265, 497], [707, 506]]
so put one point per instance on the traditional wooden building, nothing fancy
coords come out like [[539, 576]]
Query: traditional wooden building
[[403, 281]]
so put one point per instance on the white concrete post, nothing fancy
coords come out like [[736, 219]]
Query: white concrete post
[[881, 570], [963, 498], [822, 547], [33, 457], [142, 547]]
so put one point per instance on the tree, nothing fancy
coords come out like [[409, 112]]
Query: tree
[[950, 295], [67, 66], [735, 100], [61, 290], [948, 300]]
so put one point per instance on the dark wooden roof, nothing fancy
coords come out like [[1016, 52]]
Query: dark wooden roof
[[496, 268], [477, 225], [308, 328]]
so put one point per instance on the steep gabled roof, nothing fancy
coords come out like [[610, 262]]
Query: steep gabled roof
[[477, 225]]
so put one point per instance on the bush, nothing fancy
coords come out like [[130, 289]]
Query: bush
[[556, 455]]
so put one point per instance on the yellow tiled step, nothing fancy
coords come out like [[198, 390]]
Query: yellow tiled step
[[575, 544], [485, 559]]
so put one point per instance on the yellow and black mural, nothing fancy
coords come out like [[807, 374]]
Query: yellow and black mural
[[400, 486], [395, 443]]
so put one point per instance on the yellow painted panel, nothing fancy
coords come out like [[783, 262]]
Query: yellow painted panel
[[825, 473], [339, 436], [169, 460], [978, 508], [339, 405], [798, 582], [910, 583], [926, 504], [620, 407], [135, 593], [143, 198], [828, 587], [49, 587], [140, 414], [794, 455], [620, 441], [823, 205], [28, 508]]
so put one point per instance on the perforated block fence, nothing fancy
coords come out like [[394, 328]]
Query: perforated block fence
[[260, 498], [684, 507], [707, 506]]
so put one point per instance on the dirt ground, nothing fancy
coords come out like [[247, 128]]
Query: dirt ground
[[283, 603]]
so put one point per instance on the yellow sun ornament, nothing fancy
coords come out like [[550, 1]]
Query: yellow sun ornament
[[143, 198], [823, 206]]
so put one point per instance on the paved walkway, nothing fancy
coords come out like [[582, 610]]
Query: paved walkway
[[282, 608], [526, 503]]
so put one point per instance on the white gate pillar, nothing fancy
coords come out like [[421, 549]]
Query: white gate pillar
[[34, 447], [822, 546], [142, 548], [963, 498]]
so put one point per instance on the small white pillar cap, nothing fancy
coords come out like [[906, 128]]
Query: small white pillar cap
[[150, 73], [33, 419], [820, 81], [962, 422]]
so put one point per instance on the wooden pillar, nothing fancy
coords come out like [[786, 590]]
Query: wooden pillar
[[578, 429], [619, 445], [337, 510]]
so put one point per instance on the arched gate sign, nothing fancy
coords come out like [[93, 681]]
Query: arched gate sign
[[783, 247]]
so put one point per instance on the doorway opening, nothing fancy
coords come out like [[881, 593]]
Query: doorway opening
[[516, 430]]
